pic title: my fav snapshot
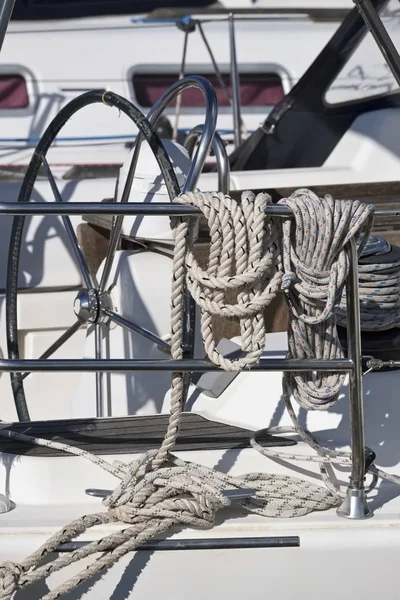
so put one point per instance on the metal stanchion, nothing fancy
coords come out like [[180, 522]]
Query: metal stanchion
[[355, 504]]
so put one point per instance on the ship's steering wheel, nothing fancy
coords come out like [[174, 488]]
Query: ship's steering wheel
[[93, 304]]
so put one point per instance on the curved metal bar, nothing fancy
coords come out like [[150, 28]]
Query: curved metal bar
[[163, 160], [194, 173], [209, 127], [220, 155]]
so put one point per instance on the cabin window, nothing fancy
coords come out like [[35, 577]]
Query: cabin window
[[256, 89], [13, 91]]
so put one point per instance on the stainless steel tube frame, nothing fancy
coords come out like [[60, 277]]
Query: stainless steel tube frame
[[185, 366], [220, 155], [355, 505], [114, 208], [210, 123]]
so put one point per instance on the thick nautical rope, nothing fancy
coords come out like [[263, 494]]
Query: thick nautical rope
[[244, 257], [316, 265], [379, 289], [158, 491]]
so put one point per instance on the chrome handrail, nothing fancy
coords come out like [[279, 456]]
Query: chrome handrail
[[220, 155]]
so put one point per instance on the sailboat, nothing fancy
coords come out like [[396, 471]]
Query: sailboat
[[267, 458]]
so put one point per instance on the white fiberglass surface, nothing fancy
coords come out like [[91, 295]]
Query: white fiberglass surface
[[254, 401]]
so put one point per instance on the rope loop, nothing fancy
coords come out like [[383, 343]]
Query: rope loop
[[244, 258]]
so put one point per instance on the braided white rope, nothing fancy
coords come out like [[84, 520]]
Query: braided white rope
[[245, 257], [158, 491]]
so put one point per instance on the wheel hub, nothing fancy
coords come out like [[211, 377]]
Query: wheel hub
[[86, 306], [89, 306]]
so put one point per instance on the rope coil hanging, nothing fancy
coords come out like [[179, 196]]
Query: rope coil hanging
[[158, 491], [316, 265], [245, 257]]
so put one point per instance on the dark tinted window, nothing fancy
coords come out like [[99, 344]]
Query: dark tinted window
[[256, 89], [13, 92]]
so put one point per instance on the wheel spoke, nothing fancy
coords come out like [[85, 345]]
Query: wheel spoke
[[69, 228], [118, 221], [99, 374], [58, 343], [112, 248], [137, 329]]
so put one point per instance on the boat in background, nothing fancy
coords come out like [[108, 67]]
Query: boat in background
[[357, 157], [139, 57]]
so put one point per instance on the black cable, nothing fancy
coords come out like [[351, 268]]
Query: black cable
[[168, 173]]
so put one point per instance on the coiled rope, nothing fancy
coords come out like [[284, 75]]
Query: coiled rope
[[158, 491], [316, 265], [379, 289]]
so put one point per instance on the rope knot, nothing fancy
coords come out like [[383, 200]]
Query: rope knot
[[10, 572], [178, 491]]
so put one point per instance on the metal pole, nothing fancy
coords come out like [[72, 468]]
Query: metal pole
[[355, 504], [390, 212], [235, 84], [179, 98], [199, 365], [117, 208], [215, 65], [99, 373], [381, 36], [6, 9], [210, 124], [235, 543]]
